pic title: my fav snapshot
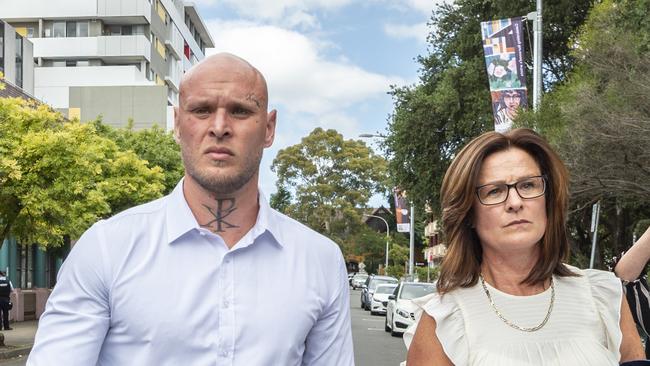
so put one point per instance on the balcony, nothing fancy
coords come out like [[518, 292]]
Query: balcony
[[174, 42], [175, 71], [114, 47], [135, 10]]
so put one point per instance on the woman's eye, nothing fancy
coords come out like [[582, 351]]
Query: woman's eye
[[494, 191]]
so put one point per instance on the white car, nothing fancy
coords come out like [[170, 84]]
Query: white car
[[358, 280], [400, 311], [379, 298]]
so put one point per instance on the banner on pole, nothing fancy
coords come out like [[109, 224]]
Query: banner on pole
[[504, 59], [402, 212]]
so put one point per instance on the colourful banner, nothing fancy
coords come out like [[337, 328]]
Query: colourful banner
[[402, 212], [504, 59]]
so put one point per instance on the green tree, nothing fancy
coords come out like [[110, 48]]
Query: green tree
[[154, 145], [59, 177], [451, 103], [329, 179], [600, 122]]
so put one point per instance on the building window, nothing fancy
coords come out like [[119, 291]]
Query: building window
[[186, 50], [127, 30], [30, 32], [71, 29], [19, 60], [138, 29], [83, 63], [2, 47], [58, 63], [70, 63], [58, 29], [82, 29]]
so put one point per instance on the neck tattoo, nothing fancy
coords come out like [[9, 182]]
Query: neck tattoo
[[510, 323], [225, 207]]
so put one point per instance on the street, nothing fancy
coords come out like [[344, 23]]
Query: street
[[372, 345]]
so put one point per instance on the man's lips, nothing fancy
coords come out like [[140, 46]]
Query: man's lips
[[219, 153], [517, 222]]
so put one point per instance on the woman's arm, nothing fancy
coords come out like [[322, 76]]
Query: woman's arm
[[631, 348], [425, 349], [635, 259]]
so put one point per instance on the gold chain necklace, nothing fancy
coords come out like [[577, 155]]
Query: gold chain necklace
[[513, 325]]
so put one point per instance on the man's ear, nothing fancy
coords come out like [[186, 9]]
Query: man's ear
[[271, 119], [177, 134]]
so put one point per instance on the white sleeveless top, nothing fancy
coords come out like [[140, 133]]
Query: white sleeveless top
[[583, 328]]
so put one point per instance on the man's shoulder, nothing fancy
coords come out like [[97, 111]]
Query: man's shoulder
[[133, 215], [295, 232]]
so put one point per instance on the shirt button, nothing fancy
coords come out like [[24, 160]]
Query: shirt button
[[224, 353], [226, 304]]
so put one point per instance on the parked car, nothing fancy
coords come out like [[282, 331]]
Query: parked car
[[358, 280], [369, 289], [379, 299], [400, 311], [350, 275]]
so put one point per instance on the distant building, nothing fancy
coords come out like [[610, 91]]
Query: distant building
[[121, 59]]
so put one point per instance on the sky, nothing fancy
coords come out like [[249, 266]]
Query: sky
[[328, 63]]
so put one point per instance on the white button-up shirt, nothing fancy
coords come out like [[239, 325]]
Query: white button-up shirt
[[150, 287]]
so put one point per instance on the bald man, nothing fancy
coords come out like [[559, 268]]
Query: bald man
[[209, 275]]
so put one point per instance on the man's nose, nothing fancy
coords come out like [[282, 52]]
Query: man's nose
[[219, 124]]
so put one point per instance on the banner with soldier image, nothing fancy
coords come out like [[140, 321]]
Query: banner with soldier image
[[504, 60], [402, 212]]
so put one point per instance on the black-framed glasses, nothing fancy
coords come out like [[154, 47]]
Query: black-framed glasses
[[527, 188]]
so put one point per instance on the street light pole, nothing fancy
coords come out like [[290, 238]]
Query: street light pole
[[412, 243], [387, 235]]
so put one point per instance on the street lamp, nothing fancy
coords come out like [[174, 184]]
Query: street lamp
[[387, 234]]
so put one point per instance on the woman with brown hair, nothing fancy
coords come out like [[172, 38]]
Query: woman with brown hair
[[505, 297]]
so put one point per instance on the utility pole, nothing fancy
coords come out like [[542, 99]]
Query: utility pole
[[536, 17], [412, 243]]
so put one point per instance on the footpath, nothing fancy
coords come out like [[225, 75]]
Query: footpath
[[19, 340]]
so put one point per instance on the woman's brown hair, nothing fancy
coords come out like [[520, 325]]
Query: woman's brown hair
[[462, 263]]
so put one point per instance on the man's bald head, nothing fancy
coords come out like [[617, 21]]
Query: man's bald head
[[231, 67]]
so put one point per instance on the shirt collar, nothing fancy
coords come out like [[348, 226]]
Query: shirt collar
[[181, 220], [268, 220]]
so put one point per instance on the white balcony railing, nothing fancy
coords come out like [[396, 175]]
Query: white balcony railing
[[174, 42], [175, 71], [136, 46]]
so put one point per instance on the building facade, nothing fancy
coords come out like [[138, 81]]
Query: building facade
[[118, 59], [16, 60]]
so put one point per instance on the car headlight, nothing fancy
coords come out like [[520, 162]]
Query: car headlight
[[403, 314]]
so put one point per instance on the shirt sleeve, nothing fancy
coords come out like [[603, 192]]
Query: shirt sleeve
[[450, 325], [72, 329], [330, 341], [607, 292]]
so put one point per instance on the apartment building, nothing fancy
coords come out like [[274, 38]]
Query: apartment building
[[16, 62], [121, 59]]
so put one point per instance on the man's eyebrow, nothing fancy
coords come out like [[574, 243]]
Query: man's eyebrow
[[251, 97]]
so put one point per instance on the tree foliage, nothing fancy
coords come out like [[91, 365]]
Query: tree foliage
[[451, 103], [599, 120], [325, 180], [58, 177], [154, 145]]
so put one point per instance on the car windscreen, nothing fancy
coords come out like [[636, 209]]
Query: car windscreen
[[379, 281], [385, 289], [414, 291]]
